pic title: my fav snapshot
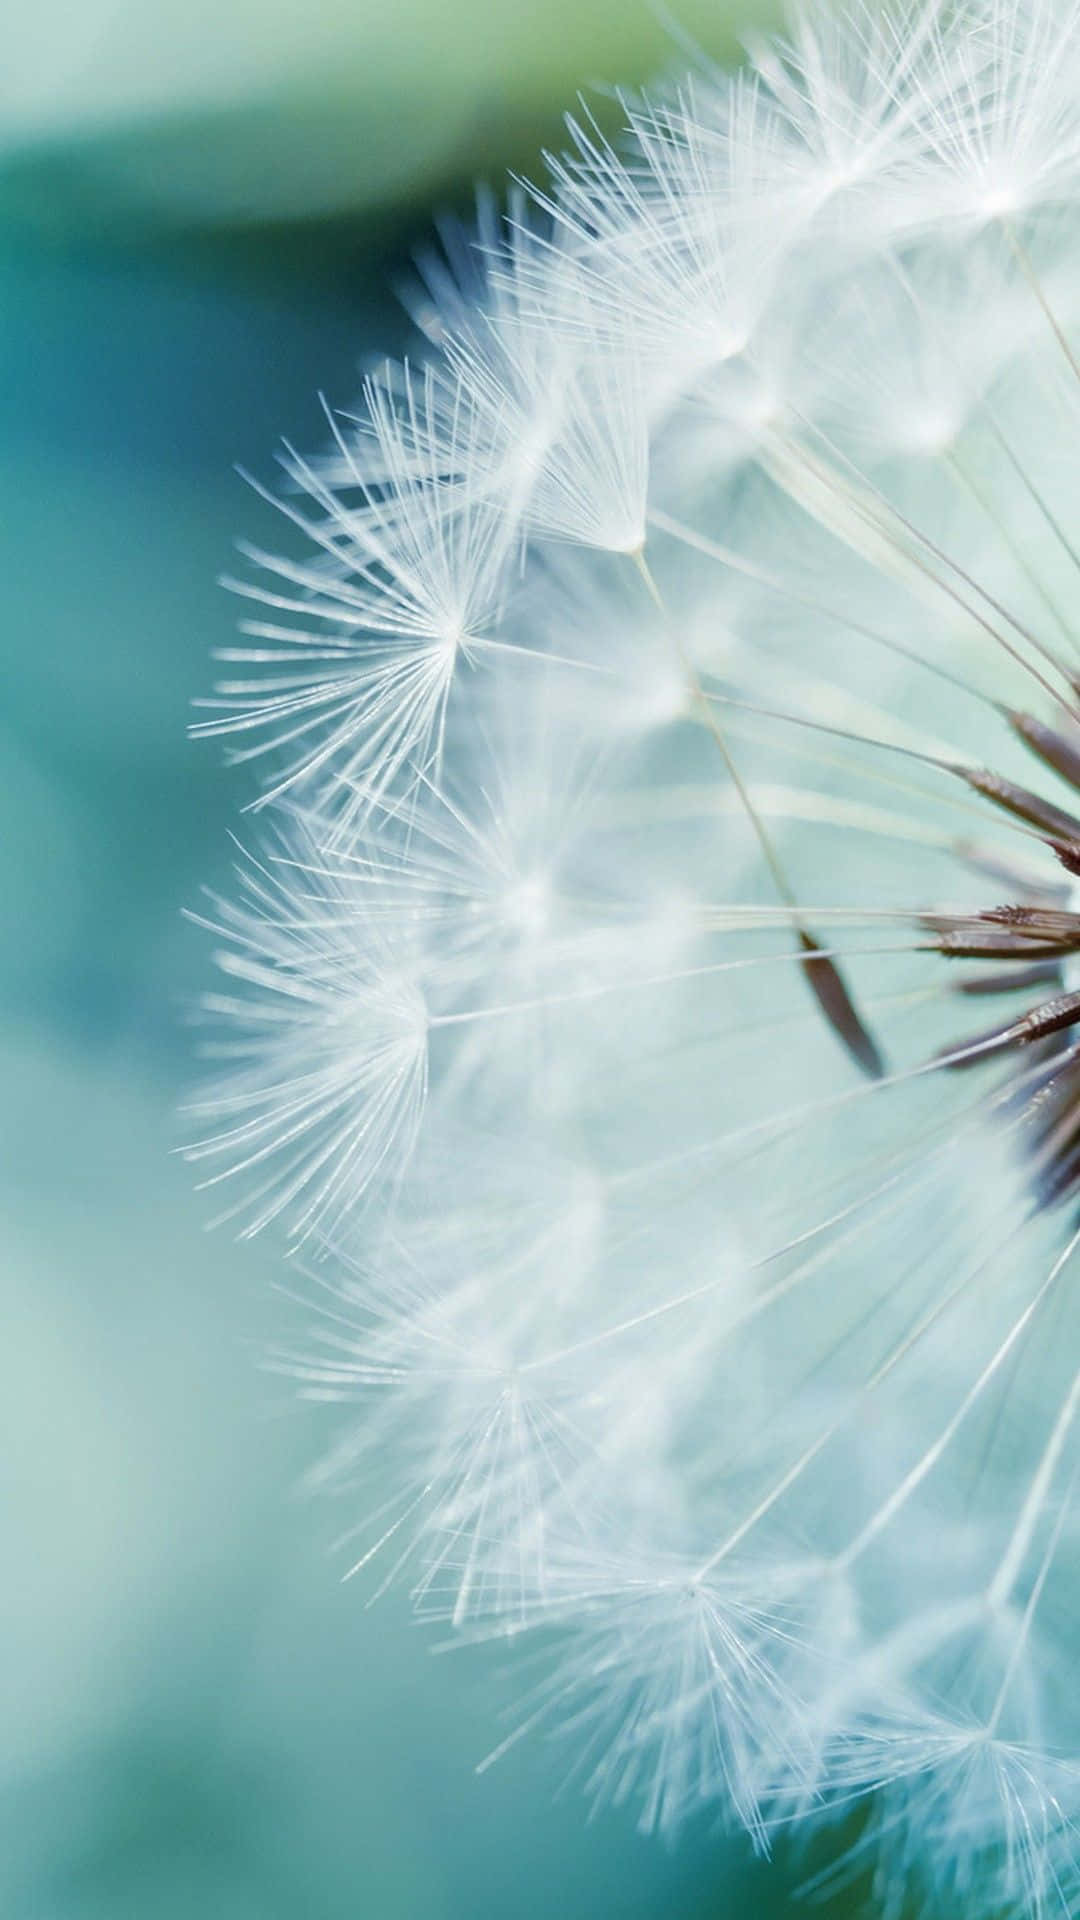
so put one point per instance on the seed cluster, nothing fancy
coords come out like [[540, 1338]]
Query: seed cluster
[[668, 704]]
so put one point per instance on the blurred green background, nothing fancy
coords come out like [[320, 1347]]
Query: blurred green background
[[205, 210]]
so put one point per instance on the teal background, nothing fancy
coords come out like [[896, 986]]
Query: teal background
[[197, 1717]]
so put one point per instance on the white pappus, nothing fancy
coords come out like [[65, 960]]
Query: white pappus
[[653, 986]]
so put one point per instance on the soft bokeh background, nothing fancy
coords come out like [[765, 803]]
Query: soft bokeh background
[[205, 208]]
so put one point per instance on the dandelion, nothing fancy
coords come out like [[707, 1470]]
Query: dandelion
[[656, 1008]]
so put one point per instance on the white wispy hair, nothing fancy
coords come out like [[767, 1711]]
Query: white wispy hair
[[404, 579], [654, 1009], [325, 1036]]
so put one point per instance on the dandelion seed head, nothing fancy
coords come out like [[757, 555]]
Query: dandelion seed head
[[653, 1000]]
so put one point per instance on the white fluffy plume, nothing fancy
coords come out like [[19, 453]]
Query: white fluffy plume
[[653, 1004]]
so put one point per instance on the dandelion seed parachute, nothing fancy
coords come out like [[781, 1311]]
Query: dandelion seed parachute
[[675, 716]]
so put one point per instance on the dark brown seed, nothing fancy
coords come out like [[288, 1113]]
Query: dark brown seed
[[1012, 980], [1053, 1016], [1001, 933], [1026, 805], [832, 996], [1068, 852], [1058, 752]]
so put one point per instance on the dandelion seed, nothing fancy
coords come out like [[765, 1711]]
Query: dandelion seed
[[399, 584]]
